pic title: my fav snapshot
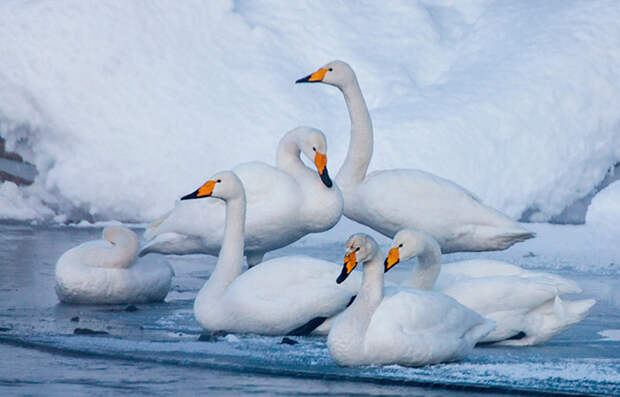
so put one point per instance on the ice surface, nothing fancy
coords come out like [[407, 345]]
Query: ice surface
[[163, 336], [125, 106]]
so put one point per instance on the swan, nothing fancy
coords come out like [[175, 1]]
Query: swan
[[107, 272], [526, 306], [390, 200], [284, 296], [284, 204], [398, 325]]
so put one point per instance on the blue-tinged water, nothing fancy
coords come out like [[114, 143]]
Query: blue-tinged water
[[154, 350]]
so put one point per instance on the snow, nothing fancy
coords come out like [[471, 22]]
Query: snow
[[604, 210], [612, 335], [125, 106]]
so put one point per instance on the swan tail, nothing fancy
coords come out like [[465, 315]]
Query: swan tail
[[151, 229], [550, 319], [491, 238], [479, 331]]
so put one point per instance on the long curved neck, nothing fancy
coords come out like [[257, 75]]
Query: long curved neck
[[230, 260], [370, 294], [122, 253], [353, 170], [287, 157], [429, 265]]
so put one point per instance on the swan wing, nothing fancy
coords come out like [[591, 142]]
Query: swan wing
[[285, 293], [391, 200], [415, 327]]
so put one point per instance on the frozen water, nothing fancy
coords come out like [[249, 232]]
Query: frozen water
[[159, 341], [125, 106]]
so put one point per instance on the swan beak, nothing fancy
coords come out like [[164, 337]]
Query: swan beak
[[315, 77], [203, 191], [392, 259], [349, 264], [320, 160]]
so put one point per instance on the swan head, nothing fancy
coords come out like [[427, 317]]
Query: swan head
[[223, 185], [313, 144], [336, 73], [406, 244], [360, 247]]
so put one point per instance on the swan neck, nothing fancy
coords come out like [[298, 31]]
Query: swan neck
[[371, 291], [123, 251], [355, 166], [427, 271], [287, 157], [230, 260]]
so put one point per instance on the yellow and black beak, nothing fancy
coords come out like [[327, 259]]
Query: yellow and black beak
[[203, 191], [350, 261], [392, 259], [320, 160], [315, 77]]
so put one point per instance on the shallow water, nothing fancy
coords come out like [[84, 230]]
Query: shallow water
[[154, 350]]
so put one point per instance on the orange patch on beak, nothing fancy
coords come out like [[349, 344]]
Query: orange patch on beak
[[319, 75], [350, 261], [320, 160], [206, 189], [392, 258]]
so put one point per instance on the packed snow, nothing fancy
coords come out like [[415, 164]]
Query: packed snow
[[604, 210], [123, 107]]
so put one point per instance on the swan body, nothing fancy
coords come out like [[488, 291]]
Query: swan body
[[281, 296], [107, 272], [525, 305], [391, 200], [399, 325], [284, 203]]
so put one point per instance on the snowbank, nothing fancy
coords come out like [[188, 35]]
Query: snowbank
[[126, 106], [604, 210]]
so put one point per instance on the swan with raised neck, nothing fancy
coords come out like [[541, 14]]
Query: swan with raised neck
[[284, 203], [398, 325], [286, 295], [525, 305], [391, 200]]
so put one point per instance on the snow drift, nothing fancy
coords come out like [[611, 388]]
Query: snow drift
[[125, 106]]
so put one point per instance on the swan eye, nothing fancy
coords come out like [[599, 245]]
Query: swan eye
[[330, 69], [314, 148], [219, 181], [400, 246], [357, 249]]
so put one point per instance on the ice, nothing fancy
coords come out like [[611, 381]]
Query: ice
[[125, 106], [163, 336]]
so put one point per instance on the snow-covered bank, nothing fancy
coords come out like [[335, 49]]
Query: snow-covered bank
[[125, 106]]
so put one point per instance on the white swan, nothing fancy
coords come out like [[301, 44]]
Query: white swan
[[289, 295], [107, 272], [284, 204], [391, 200], [401, 325], [525, 305]]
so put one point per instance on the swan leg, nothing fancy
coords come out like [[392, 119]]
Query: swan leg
[[254, 258]]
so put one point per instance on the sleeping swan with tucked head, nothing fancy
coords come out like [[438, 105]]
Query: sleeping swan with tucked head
[[107, 272]]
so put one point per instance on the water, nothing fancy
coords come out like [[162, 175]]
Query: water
[[154, 350]]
